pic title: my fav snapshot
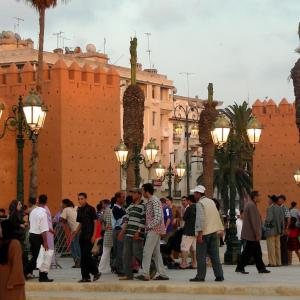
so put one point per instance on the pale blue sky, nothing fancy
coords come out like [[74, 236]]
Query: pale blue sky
[[245, 47]]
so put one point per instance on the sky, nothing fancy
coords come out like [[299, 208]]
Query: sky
[[244, 47]]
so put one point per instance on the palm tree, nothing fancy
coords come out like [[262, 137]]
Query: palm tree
[[40, 6], [295, 75], [133, 121], [238, 142], [206, 122]]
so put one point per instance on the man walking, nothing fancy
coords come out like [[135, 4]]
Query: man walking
[[38, 236], [274, 225], [134, 230], [154, 225], [188, 242], [251, 233], [118, 213], [208, 226], [284, 237], [87, 219]]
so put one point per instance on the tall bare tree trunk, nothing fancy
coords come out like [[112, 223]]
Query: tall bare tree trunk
[[295, 74], [33, 181], [206, 122]]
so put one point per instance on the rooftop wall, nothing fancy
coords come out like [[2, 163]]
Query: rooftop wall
[[277, 155], [80, 132]]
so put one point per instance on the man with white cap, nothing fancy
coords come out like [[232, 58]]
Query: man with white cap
[[208, 226]]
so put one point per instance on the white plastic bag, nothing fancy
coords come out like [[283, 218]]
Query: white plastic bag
[[44, 259]]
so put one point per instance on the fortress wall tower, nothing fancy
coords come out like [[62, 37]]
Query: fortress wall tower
[[81, 129], [277, 155]]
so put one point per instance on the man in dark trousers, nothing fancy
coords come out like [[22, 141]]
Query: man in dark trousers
[[118, 213], [87, 219], [38, 236], [251, 233]]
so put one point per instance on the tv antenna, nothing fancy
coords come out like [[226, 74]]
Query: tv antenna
[[17, 26], [58, 38], [187, 74], [148, 50], [104, 45], [63, 41]]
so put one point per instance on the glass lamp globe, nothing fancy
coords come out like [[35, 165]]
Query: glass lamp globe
[[1, 109], [160, 170], [151, 150], [178, 129], [180, 169], [121, 153], [194, 131], [254, 129], [32, 109], [221, 131], [297, 176]]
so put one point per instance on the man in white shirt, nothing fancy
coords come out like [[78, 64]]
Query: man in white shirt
[[37, 237]]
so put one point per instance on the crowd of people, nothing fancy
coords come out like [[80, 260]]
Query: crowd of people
[[140, 233]]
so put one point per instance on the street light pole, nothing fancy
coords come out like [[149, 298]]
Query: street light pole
[[220, 136], [20, 146], [187, 114]]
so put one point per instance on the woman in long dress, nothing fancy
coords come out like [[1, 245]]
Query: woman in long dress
[[104, 266], [12, 281]]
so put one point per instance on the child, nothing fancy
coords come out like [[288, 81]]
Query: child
[[293, 241]]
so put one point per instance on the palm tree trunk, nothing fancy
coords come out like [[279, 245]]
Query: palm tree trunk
[[33, 180], [39, 85], [295, 75], [33, 185]]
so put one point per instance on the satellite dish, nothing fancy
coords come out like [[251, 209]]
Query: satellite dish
[[91, 48]]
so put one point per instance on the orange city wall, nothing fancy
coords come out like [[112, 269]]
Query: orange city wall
[[277, 155], [76, 144]]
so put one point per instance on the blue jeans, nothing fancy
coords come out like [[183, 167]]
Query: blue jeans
[[210, 248], [75, 248]]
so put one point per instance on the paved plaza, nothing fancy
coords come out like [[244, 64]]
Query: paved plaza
[[282, 283]]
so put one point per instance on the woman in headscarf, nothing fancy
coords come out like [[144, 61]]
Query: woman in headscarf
[[12, 282]]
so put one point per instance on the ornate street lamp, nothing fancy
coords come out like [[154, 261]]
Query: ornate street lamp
[[297, 177], [187, 114], [254, 130], [177, 174], [121, 153], [137, 158], [220, 134], [151, 150], [30, 115]]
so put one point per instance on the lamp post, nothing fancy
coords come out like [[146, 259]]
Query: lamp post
[[177, 174], [148, 160], [28, 118], [220, 135], [188, 114]]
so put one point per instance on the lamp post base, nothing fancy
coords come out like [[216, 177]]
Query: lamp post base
[[233, 250]]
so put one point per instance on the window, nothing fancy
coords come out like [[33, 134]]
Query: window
[[153, 118]]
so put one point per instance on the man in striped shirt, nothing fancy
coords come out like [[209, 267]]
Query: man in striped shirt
[[154, 227], [134, 230]]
